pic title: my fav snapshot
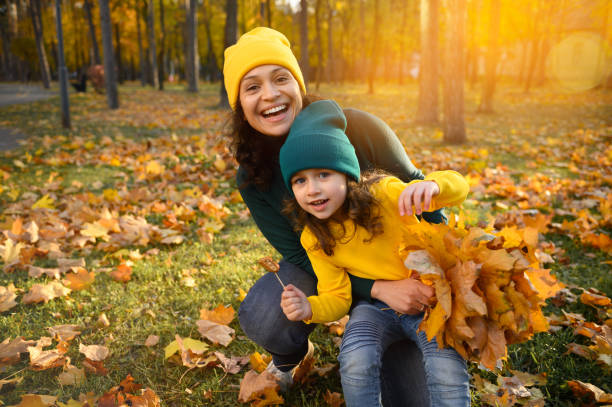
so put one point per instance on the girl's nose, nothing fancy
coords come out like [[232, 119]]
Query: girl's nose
[[313, 188]]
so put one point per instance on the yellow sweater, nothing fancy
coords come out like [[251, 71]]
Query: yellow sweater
[[377, 259]]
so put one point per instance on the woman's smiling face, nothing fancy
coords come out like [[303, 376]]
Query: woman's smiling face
[[270, 98]]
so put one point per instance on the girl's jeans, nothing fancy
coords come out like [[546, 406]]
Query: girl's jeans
[[261, 318], [370, 330]]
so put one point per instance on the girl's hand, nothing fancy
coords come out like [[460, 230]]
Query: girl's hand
[[417, 195], [408, 296], [295, 305]]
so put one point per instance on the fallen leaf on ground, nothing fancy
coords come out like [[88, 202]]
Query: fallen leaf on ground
[[581, 389], [222, 315], [36, 400], [45, 359], [7, 297], [97, 353], [259, 362], [253, 385], [79, 279], [11, 350], [122, 274], [151, 340], [71, 376], [333, 399], [64, 332], [45, 293], [233, 364], [214, 332]]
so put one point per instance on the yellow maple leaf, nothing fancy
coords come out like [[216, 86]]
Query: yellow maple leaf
[[80, 279], [259, 362], [95, 230], [512, 237], [154, 168], [222, 314], [44, 202], [11, 251]]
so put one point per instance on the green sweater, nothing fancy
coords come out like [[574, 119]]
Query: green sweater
[[376, 146]]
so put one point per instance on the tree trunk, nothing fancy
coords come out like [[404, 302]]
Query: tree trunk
[[454, 123], [486, 105], [118, 54], [375, 47], [319, 41], [427, 112], [62, 71], [330, 72], [269, 12], [192, 63], [162, 46], [304, 57], [152, 48], [231, 35], [92, 33], [141, 56], [110, 76], [402, 42], [211, 69], [40, 46], [261, 16]]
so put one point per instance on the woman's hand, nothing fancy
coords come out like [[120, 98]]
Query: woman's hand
[[408, 296], [295, 305], [417, 195]]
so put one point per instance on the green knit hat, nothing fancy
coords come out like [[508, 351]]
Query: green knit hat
[[317, 140]]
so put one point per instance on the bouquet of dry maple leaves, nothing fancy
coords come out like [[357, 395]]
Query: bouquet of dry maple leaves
[[488, 283]]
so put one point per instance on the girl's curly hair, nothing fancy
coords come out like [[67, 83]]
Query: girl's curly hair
[[256, 153], [360, 206]]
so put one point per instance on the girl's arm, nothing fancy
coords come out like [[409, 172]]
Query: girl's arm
[[333, 286]]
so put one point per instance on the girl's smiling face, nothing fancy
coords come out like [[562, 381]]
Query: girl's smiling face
[[270, 98], [319, 191]]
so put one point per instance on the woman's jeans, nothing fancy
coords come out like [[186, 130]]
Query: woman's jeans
[[370, 330], [402, 378]]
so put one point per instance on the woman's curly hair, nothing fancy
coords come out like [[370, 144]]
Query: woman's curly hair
[[360, 206], [256, 153]]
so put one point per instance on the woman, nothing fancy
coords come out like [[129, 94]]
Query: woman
[[266, 91]]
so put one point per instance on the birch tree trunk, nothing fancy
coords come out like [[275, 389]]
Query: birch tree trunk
[[192, 59]]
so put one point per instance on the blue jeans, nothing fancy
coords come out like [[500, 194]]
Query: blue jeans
[[370, 330], [402, 378]]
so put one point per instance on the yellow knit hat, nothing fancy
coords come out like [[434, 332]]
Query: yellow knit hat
[[260, 46]]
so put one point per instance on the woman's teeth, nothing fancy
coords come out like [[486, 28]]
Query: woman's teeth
[[274, 110]]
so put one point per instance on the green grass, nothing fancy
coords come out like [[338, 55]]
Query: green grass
[[156, 302]]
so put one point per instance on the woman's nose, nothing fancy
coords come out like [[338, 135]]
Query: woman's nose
[[270, 91]]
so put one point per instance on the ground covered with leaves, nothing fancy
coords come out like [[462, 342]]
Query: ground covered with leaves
[[126, 251]]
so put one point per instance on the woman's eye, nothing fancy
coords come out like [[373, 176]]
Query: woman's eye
[[251, 88], [282, 79]]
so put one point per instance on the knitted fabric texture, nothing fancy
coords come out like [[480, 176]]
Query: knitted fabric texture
[[260, 46], [317, 140]]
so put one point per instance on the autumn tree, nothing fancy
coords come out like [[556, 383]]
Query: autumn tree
[[231, 36], [427, 112], [192, 66], [454, 64], [152, 46], [40, 46], [92, 32], [141, 56], [110, 76], [162, 45], [374, 53], [304, 55], [486, 105]]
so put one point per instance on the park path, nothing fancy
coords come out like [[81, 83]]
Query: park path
[[11, 94]]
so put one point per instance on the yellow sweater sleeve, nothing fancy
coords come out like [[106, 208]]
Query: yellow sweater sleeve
[[333, 287], [453, 188]]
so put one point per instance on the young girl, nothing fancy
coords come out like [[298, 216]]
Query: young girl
[[353, 224]]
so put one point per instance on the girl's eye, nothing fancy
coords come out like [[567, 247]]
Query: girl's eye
[[324, 174], [298, 180]]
